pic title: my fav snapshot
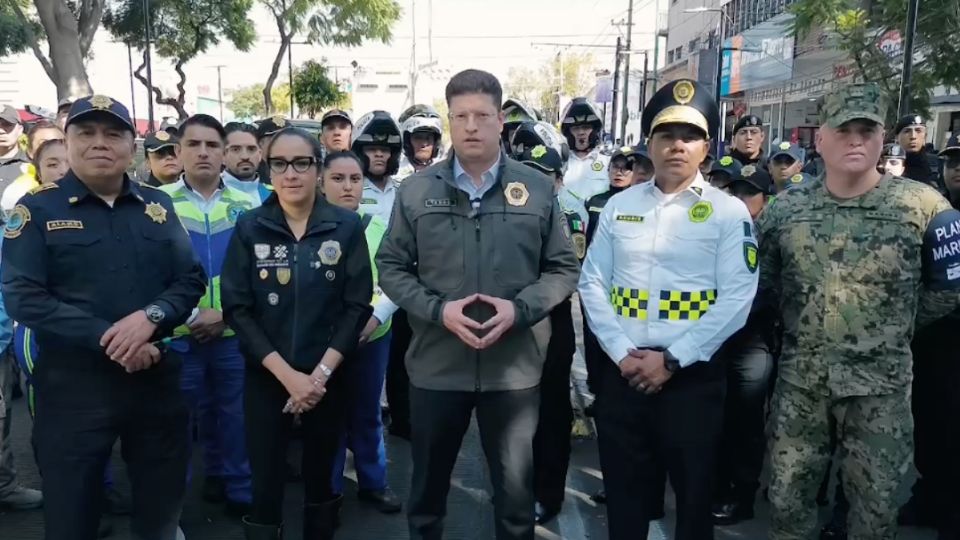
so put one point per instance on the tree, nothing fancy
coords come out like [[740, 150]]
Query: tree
[[538, 88], [13, 35], [313, 90], [247, 102], [182, 29], [68, 27], [860, 34], [327, 22]]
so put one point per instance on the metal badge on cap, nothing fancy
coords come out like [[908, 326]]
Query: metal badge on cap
[[683, 92]]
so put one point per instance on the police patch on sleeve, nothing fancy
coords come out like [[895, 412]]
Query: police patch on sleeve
[[941, 252], [16, 221], [750, 256]]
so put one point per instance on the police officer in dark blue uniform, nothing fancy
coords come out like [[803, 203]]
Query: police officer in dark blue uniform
[[100, 269]]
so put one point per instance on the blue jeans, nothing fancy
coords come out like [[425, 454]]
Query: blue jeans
[[214, 371], [364, 433]]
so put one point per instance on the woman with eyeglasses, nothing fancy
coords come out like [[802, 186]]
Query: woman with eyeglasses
[[296, 288]]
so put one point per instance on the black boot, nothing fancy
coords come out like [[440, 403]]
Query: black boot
[[321, 520], [255, 531], [734, 509]]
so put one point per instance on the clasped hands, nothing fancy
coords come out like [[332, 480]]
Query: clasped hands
[[645, 370], [306, 391], [127, 342], [466, 328]]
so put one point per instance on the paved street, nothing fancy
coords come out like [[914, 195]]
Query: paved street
[[470, 514]]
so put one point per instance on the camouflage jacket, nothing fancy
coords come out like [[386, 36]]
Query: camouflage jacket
[[853, 277]]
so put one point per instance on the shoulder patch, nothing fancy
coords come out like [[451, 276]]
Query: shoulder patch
[[43, 187], [796, 179], [16, 221], [750, 257]]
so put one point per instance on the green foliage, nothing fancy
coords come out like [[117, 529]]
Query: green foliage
[[14, 35], [856, 31], [247, 102], [313, 90], [538, 87], [181, 30]]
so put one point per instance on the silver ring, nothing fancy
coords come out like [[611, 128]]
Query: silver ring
[[642, 386]]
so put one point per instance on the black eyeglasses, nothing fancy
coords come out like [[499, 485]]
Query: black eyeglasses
[[300, 164]]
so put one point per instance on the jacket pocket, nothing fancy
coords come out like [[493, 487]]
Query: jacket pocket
[[153, 253], [441, 249], [515, 246]]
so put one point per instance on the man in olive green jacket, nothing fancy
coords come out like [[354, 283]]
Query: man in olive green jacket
[[477, 254]]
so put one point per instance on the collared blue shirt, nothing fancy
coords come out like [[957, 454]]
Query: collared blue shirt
[[465, 181]]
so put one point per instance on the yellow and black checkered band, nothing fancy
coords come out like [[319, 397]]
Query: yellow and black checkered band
[[630, 303], [685, 305]]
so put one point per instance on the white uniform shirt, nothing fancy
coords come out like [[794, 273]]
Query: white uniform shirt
[[585, 177], [378, 202], [674, 271]]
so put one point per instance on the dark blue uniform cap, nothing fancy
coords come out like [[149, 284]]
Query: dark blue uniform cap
[[97, 105], [952, 147], [788, 149]]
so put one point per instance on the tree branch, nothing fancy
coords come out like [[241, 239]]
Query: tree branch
[[34, 41], [91, 11]]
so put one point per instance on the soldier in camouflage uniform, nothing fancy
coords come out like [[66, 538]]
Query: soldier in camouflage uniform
[[854, 258]]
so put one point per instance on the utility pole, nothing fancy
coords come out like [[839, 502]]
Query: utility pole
[[656, 42], [643, 85], [718, 136], [133, 95], [290, 76], [613, 102], [220, 91], [146, 54], [413, 54], [906, 86], [624, 114]]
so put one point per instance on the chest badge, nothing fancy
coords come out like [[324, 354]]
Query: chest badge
[[597, 166], [700, 212], [273, 299], [516, 194], [329, 252], [283, 276], [16, 221], [330, 275], [263, 274], [156, 212], [262, 251], [280, 251]]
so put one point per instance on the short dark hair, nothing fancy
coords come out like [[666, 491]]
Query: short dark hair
[[342, 154], [315, 147], [203, 120], [240, 127], [475, 81]]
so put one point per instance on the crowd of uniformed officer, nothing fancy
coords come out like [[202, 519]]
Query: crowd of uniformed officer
[[328, 293]]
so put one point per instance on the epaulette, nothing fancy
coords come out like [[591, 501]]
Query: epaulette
[[43, 187]]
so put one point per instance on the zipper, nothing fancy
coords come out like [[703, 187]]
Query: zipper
[[206, 219], [476, 222], [296, 283]]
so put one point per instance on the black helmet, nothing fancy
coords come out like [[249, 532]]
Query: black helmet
[[893, 151], [378, 128], [514, 113], [581, 111], [531, 134], [420, 118]]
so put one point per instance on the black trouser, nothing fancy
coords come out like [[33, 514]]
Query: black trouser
[[677, 429], [268, 436], [398, 382], [936, 407], [749, 366], [80, 414], [551, 444], [507, 422], [593, 356]]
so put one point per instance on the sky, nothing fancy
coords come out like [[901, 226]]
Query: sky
[[494, 35]]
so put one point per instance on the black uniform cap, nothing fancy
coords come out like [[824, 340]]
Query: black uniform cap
[[269, 126], [754, 176], [894, 151], [159, 139], [335, 114], [908, 120], [952, 147], [749, 120], [681, 102], [542, 158]]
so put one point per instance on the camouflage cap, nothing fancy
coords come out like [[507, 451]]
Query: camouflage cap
[[854, 102]]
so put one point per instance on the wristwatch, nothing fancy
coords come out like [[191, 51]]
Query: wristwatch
[[327, 372], [671, 362], [155, 313]]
